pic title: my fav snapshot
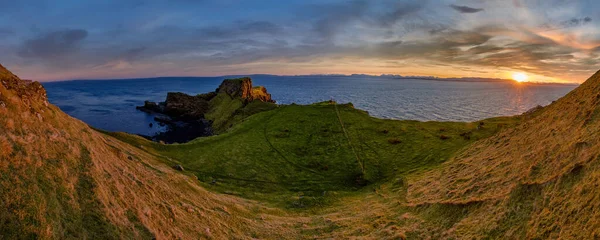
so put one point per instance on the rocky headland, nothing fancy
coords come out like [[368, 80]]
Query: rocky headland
[[188, 117]]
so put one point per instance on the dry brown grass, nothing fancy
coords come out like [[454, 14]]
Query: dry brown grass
[[556, 149]]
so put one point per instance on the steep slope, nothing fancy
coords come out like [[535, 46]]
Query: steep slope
[[60, 179], [538, 180]]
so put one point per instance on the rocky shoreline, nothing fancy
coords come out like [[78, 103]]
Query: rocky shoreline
[[188, 117]]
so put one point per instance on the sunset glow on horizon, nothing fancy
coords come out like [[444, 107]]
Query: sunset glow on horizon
[[520, 77], [550, 41]]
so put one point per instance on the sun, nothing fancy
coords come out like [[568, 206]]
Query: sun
[[520, 77]]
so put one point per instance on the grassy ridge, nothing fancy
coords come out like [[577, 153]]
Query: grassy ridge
[[226, 111], [295, 153]]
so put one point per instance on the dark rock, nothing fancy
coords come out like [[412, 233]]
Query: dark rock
[[178, 167], [152, 106], [163, 119], [129, 157], [467, 135], [181, 105], [183, 131], [533, 110], [361, 181]]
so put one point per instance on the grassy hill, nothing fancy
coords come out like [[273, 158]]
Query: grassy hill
[[325, 170], [538, 180], [316, 152]]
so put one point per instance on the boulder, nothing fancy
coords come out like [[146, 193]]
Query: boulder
[[150, 107], [178, 167]]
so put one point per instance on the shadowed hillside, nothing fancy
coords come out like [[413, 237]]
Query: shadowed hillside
[[60, 179], [316, 171]]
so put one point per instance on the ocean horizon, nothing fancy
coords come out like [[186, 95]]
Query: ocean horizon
[[110, 104]]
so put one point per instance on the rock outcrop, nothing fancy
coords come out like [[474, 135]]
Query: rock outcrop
[[186, 115], [242, 88], [27, 90], [185, 106]]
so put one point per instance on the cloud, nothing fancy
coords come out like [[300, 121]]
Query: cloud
[[400, 11], [132, 53], [6, 32], [573, 22], [53, 44], [465, 9], [334, 17], [241, 28]]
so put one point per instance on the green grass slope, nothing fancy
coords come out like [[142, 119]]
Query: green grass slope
[[300, 156], [226, 111]]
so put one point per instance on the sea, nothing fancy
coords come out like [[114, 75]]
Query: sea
[[110, 104]]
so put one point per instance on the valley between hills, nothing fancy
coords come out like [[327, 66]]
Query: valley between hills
[[324, 170]]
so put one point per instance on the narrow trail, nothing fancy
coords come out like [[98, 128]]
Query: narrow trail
[[360, 163]]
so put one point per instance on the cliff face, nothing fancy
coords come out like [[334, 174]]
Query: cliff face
[[260, 93], [185, 106], [242, 88]]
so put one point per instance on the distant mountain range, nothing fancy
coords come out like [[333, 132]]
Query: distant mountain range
[[391, 76]]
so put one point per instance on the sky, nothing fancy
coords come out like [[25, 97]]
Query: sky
[[549, 40]]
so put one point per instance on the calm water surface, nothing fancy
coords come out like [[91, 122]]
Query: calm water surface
[[110, 104]]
